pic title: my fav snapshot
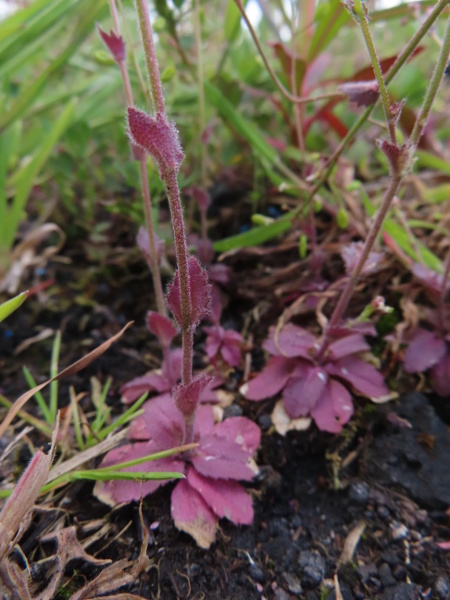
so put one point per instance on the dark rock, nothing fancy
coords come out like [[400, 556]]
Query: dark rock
[[281, 594], [313, 567], [400, 572], [256, 573], [386, 577], [402, 591], [390, 557], [234, 410], [293, 583], [367, 571], [419, 471], [442, 588], [359, 492], [383, 513], [265, 422]]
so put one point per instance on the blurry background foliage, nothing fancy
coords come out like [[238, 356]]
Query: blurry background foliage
[[62, 110]]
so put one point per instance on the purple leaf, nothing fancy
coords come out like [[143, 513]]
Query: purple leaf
[[164, 422], [432, 280], [134, 389], [114, 43], [200, 293], [116, 491], [242, 431], [201, 196], [173, 366], [226, 498], [158, 137], [204, 421], [333, 409], [214, 340], [192, 515], [187, 397], [363, 377], [425, 349], [205, 251], [219, 273], [291, 341], [351, 344], [351, 255], [231, 352], [210, 393], [221, 458], [271, 380], [361, 93], [440, 376], [161, 326], [302, 393]]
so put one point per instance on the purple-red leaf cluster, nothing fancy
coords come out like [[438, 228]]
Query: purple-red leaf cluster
[[211, 490], [315, 388]]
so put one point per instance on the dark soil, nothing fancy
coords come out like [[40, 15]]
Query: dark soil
[[384, 486]]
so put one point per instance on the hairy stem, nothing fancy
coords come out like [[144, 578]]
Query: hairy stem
[[156, 274], [151, 61], [385, 102]]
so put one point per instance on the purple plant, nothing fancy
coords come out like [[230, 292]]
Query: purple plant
[[312, 385], [211, 490], [224, 453], [430, 350], [222, 345]]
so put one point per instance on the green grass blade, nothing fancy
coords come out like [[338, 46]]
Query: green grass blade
[[427, 160], [329, 16], [38, 396], [244, 128], [124, 418], [8, 307], [253, 237]]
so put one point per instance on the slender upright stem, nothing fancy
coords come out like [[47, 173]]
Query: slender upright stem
[[201, 90], [181, 251], [432, 89], [150, 56], [157, 283], [402, 58], [156, 274], [352, 281], [396, 179], [385, 102]]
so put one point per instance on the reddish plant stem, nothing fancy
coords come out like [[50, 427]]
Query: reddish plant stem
[[169, 178], [156, 274], [150, 57], [352, 281]]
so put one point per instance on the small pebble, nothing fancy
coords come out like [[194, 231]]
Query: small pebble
[[399, 531], [313, 566], [293, 583], [359, 492]]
